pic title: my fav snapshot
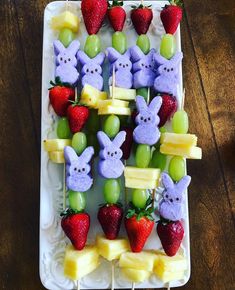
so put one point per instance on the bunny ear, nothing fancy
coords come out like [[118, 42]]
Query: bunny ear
[[74, 47], [99, 59], [58, 47], [70, 155], [167, 181], [151, 53], [127, 54], [141, 104], [103, 139], [83, 57], [113, 54], [155, 104], [159, 59], [183, 184], [176, 59], [87, 154], [119, 139], [136, 53]]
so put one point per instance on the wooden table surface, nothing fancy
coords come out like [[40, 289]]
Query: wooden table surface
[[208, 37]]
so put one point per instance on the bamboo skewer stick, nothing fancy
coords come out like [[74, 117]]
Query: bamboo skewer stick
[[133, 286], [64, 189], [168, 286], [113, 82], [112, 275], [78, 284]]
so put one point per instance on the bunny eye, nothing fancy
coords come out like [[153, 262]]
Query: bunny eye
[[83, 169], [142, 64], [177, 199], [171, 200], [75, 169], [172, 69], [149, 118], [87, 70], [61, 58], [120, 64], [115, 152], [167, 196], [164, 68], [69, 59], [96, 70], [142, 118], [108, 153], [150, 65]]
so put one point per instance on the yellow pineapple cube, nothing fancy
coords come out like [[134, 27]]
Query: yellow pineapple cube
[[123, 94], [109, 110], [170, 276], [56, 156], [140, 261], [56, 144], [111, 249], [102, 104], [179, 139], [134, 275], [77, 264], [90, 96], [187, 152], [142, 173], [141, 183], [66, 19]]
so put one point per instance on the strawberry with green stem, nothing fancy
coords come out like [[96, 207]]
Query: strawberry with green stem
[[171, 16], [116, 15]]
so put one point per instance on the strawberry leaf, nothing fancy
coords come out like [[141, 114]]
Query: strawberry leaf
[[70, 211]]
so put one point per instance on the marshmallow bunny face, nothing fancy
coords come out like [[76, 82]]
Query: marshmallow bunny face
[[66, 56], [142, 61], [111, 149], [77, 166], [148, 113], [121, 62], [168, 68], [91, 65]]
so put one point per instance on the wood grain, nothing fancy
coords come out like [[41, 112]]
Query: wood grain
[[208, 35]]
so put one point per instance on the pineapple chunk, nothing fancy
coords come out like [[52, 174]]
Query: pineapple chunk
[[179, 139], [77, 264], [187, 152], [134, 275], [111, 249], [141, 173], [102, 104], [56, 144], [139, 261], [141, 183], [56, 156], [90, 96], [66, 19], [170, 276], [123, 94], [109, 110]]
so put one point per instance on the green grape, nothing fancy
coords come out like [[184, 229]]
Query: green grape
[[168, 46], [79, 142], [163, 129], [143, 155], [66, 36], [63, 130], [119, 41], [158, 160], [77, 200], [111, 190], [139, 197], [93, 122], [142, 92], [93, 141], [92, 46], [180, 122], [176, 168], [112, 125], [144, 43]]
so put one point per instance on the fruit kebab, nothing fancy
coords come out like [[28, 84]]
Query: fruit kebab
[[80, 259], [111, 168]]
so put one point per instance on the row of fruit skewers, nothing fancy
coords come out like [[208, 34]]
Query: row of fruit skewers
[[138, 222]]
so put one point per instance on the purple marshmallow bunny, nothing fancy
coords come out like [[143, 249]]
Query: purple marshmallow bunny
[[143, 68], [91, 69], [66, 61], [147, 121], [78, 169], [171, 206], [123, 66], [168, 73], [110, 165]]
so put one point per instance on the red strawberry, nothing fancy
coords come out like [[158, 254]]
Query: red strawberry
[[168, 108], [60, 97], [171, 235], [117, 15], [171, 16], [141, 18], [76, 227], [77, 116], [110, 218], [127, 145], [138, 231], [93, 12]]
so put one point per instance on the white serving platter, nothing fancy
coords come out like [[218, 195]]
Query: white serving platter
[[52, 238]]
